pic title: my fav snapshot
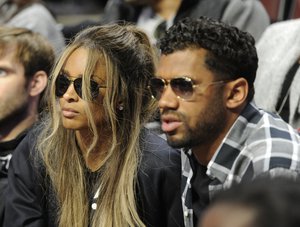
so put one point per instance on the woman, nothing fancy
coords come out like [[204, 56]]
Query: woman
[[90, 144]]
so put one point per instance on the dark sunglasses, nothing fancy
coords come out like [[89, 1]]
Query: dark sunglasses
[[183, 87], [62, 84]]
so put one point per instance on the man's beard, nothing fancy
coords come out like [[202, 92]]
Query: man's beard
[[13, 111], [211, 123]]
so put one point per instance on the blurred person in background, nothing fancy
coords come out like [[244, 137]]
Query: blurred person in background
[[155, 16], [264, 202], [25, 62], [34, 15], [277, 85]]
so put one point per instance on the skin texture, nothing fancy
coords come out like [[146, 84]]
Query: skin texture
[[72, 106], [14, 96], [197, 121], [73, 109], [12, 86]]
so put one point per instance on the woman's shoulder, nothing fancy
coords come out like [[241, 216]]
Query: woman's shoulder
[[156, 152], [160, 168]]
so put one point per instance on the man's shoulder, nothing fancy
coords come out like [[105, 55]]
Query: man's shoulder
[[271, 133], [258, 125], [258, 142], [273, 144], [272, 127]]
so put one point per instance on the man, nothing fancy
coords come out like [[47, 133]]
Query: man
[[25, 61], [154, 16], [204, 88]]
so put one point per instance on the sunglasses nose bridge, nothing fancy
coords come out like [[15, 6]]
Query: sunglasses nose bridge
[[166, 83], [171, 84], [168, 87], [70, 82], [71, 85], [182, 88]]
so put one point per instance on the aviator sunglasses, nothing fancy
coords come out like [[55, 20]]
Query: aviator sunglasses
[[183, 87], [62, 84]]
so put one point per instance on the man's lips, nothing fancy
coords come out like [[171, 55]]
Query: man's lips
[[169, 124]]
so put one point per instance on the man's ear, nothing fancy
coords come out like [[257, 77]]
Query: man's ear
[[38, 83], [237, 92]]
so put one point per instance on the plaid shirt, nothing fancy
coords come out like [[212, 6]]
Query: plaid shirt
[[258, 143]]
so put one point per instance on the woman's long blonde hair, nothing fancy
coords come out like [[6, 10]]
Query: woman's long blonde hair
[[129, 60]]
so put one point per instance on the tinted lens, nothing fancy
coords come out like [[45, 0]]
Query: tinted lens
[[77, 86], [61, 85], [94, 88], [156, 87], [182, 87]]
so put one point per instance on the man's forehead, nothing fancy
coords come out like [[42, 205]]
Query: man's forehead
[[9, 52]]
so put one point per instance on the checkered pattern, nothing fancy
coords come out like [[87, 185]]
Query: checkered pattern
[[258, 143]]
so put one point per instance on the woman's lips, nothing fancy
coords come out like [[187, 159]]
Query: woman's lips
[[69, 113]]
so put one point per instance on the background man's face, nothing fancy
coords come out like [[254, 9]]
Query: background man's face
[[13, 86]]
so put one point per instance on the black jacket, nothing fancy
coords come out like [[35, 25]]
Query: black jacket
[[6, 151], [30, 201]]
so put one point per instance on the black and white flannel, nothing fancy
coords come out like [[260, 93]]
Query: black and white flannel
[[258, 143]]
